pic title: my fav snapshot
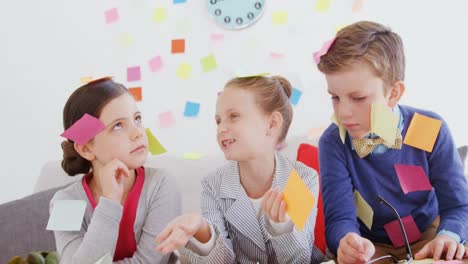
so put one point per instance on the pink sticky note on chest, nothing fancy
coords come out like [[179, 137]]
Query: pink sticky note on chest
[[83, 130], [412, 178], [396, 235]]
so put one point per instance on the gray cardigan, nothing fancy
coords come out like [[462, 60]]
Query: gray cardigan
[[159, 203]]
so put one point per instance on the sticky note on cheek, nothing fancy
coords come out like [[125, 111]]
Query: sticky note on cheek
[[66, 215], [299, 200]]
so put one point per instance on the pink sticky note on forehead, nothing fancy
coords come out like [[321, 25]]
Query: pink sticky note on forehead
[[83, 130], [412, 178], [396, 235]]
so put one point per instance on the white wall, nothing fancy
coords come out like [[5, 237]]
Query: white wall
[[47, 46]]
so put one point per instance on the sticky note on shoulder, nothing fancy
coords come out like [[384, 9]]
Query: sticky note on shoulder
[[299, 200], [66, 215], [422, 132]]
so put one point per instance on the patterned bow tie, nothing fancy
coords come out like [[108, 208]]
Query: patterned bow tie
[[365, 146]]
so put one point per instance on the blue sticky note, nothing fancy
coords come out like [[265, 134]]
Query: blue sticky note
[[66, 215], [179, 1], [295, 96], [191, 109]]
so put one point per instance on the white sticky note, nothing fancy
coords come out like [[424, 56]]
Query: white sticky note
[[106, 259], [66, 215]]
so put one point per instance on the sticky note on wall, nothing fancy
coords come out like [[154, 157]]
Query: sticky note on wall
[[191, 109], [208, 63], [133, 74], [154, 145], [136, 93]]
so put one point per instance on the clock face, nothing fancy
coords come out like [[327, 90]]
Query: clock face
[[235, 14]]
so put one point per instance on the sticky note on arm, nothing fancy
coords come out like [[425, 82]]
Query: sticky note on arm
[[66, 215]]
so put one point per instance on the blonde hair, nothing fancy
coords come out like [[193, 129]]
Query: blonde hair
[[371, 43], [271, 94]]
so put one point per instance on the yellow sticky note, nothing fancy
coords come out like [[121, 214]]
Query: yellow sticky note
[[126, 40], [192, 156], [280, 17], [340, 127], [184, 71], [160, 14], [384, 122], [244, 74], [339, 27], [422, 132], [299, 200], [86, 79], [155, 147], [363, 209], [322, 5], [208, 63]]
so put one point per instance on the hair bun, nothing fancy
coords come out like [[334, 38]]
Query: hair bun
[[285, 84], [72, 162]]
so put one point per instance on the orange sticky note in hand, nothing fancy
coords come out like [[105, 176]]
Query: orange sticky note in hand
[[422, 132], [299, 200]]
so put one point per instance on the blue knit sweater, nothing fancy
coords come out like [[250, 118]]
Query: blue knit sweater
[[342, 172]]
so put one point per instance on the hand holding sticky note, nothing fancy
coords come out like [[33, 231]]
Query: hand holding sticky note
[[299, 200], [66, 215]]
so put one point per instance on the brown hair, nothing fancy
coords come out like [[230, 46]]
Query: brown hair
[[367, 42], [88, 99], [271, 93]]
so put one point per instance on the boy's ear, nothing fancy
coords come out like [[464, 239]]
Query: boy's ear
[[275, 122], [395, 93], [84, 151]]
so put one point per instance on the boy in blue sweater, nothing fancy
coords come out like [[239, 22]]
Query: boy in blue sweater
[[364, 67]]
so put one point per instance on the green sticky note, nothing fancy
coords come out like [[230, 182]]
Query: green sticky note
[[322, 5], [160, 14], [208, 63], [184, 71], [280, 17], [155, 147], [192, 156]]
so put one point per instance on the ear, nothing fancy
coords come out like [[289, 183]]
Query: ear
[[275, 123], [395, 93], [85, 151]]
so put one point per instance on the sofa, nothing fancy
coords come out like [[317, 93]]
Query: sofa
[[23, 222]]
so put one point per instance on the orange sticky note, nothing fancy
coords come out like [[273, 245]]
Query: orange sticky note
[[136, 92], [299, 200], [178, 46], [422, 132]]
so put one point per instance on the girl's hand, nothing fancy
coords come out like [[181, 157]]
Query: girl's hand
[[273, 205], [178, 232], [110, 178]]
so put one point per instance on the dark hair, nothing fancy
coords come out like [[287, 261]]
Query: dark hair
[[271, 93], [88, 99]]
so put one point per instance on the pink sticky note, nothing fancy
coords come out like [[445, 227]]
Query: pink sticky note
[[276, 55], [217, 36], [155, 63], [412, 178], [83, 130], [133, 74], [322, 51], [166, 119], [112, 15], [395, 234]]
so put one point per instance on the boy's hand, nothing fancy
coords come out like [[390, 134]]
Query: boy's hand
[[273, 205], [178, 232], [355, 249], [440, 244]]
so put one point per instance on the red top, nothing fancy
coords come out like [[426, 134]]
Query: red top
[[126, 243]]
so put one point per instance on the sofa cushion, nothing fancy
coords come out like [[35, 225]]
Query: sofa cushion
[[23, 226]]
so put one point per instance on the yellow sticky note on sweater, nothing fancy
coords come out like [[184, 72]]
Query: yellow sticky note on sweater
[[364, 210], [299, 200]]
